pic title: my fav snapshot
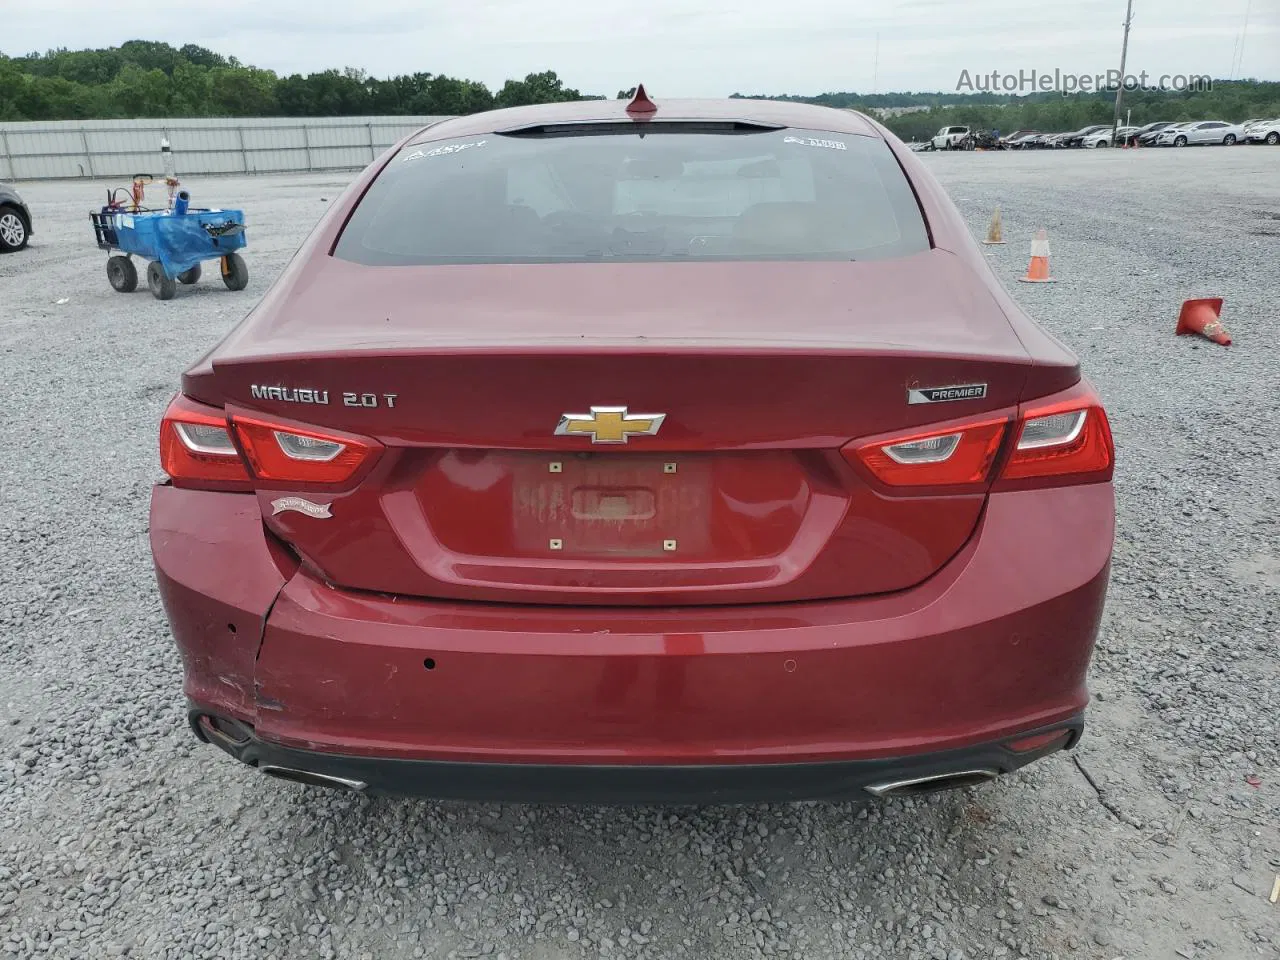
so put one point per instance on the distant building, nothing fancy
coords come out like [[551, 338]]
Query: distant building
[[899, 111]]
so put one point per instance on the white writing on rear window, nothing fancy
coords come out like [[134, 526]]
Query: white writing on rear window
[[446, 150], [814, 142]]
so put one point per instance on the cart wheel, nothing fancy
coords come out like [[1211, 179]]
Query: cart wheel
[[161, 286], [122, 274], [190, 276], [235, 273]]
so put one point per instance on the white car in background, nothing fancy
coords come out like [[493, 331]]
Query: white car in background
[[950, 138], [1205, 131], [1264, 131], [1102, 138]]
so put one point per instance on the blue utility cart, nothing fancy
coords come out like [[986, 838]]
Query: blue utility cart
[[174, 244]]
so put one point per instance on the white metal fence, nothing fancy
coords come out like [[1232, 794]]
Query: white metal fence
[[121, 148]]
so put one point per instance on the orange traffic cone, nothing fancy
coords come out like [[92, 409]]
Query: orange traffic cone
[[1038, 268], [994, 233], [1201, 316]]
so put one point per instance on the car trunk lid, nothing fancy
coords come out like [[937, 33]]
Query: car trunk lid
[[757, 372]]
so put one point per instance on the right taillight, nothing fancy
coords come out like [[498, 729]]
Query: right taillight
[[1061, 439], [959, 456], [1068, 438]]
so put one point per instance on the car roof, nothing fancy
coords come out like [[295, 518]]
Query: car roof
[[783, 113]]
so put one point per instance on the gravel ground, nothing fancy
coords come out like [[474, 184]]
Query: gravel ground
[[120, 835]]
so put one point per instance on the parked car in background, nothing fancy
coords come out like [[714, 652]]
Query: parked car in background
[[1146, 135], [1076, 138], [1168, 133], [1103, 137], [1201, 132], [1009, 138], [951, 138], [984, 140], [1021, 139], [15, 220], [1268, 131]]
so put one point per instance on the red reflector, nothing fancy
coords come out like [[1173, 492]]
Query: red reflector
[[959, 455], [290, 454], [196, 449], [1037, 741]]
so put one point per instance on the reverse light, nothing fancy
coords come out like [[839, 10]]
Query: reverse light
[[196, 449], [929, 450], [302, 455], [1051, 431], [300, 447]]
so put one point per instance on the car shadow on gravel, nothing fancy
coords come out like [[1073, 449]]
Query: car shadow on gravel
[[579, 874]]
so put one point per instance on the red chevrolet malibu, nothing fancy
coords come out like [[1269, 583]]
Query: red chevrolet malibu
[[608, 451]]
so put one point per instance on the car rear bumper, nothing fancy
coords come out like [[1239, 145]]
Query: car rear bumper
[[471, 699], [636, 783]]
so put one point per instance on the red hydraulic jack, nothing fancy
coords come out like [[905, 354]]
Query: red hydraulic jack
[[1202, 317]]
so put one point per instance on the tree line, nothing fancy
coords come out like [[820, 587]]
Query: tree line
[[143, 78], [1230, 100]]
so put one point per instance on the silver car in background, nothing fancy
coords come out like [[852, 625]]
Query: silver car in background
[[1264, 131], [1102, 138], [15, 220], [1200, 132]]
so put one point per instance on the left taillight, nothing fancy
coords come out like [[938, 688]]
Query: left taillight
[[294, 455], [196, 448], [202, 448]]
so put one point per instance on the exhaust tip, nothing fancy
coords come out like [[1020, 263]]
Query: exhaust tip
[[312, 779], [932, 783], [222, 731]]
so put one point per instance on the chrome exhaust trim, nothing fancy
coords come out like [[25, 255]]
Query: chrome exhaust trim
[[311, 779], [931, 783]]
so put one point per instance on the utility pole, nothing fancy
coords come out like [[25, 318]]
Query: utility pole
[[875, 71], [1124, 54], [1237, 60]]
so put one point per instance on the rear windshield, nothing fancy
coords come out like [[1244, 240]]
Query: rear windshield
[[638, 193]]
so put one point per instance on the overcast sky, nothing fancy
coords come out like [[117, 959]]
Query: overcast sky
[[682, 47]]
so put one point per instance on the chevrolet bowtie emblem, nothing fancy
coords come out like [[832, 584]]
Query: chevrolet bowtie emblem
[[609, 424]]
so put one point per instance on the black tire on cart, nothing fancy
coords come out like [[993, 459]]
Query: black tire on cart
[[162, 287], [122, 274], [190, 276], [235, 272]]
